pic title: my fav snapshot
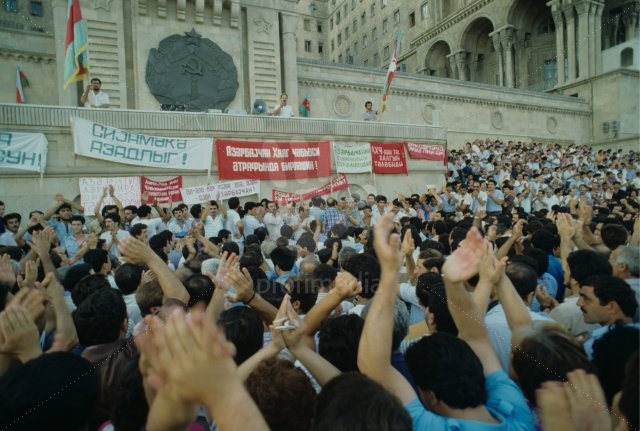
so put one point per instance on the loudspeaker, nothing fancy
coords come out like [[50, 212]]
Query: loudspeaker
[[171, 107], [259, 107]]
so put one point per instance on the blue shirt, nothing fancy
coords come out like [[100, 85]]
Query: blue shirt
[[493, 207], [598, 333], [63, 230], [505, 402], [556, 271], [550, 284]]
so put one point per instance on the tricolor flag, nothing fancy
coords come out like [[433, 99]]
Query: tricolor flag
[[390, 72], [305, 108], [76, 45], [21, 82]]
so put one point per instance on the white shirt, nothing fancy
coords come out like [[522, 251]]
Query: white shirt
[[96, 99], [108, 238], [233, 218], [273, 223], [153, 225], [251, 223], [212, 226], [286, 111]]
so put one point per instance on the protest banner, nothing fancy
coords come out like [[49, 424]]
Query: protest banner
[[226, 190], [126, 189], [426, 152], [120, 146], [336, 184], [26, 151], [352, 159], [162, 191], [388, 158], [261, 160]]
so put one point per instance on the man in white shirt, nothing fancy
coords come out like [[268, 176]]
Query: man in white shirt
[[283, 110], [250, 221], [113, 235], [144, 217], [93, 97], [273, 221], [234, 223]]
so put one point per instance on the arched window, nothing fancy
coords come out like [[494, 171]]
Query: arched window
[[547, 26], [626, 57]]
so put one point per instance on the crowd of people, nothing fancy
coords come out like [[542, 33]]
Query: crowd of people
[[506, 298]]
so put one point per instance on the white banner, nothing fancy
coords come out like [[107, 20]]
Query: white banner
[[26, 151], [351, 159], [229, 189], [120, 146], [126, 189]]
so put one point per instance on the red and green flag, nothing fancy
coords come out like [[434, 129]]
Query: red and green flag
[[76, 45], [21, 82], [393, 65], [305, 107]]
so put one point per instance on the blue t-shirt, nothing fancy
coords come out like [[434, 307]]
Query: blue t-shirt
[[505, 402]]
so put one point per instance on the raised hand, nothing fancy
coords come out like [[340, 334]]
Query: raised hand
[[31, 300], [387, 245], [346, 285], [464, 262], [566, 225], [135, 251], [242, 283], [20, 334], [227, 263], [490, 268], [408, 246], [7, 276], [40, 242]]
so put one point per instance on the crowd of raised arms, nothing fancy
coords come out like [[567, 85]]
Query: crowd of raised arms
[[504, 299]]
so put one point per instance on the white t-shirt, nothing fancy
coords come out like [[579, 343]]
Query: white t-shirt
[[232, 224], [108, 238], [97, 99], [153, 225], [286, 111], [273, 225]]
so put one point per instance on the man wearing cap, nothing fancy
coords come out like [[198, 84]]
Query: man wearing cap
[[353, 217]]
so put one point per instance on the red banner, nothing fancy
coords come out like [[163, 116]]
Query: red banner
[[388, 158], [336, 184], [426, 152], [162, 191], [257, 160]]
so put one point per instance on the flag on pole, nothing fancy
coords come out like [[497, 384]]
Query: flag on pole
[[305, 108], [76, 45], [393, 65], [21, 82]]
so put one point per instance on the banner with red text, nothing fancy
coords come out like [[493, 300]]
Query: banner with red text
[[162, 191], [226, 190], [335, 185], [426, 152], [388, 158], [259, 160]]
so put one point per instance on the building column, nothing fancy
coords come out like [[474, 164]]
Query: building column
[[507, 39], [559, 22], [495, 38], [460, 58], [570, 19], [453, 67], [630, 14], [584, 40], [597, 36], [289, 58]]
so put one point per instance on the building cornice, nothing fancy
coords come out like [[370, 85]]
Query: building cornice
[[33, 57]]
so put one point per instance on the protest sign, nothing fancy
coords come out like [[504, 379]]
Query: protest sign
[[26, 151], [352, 158], [388, 158], [336, 184], [426, 152], [120, 146], [126, 189], [260, 160], [162, 191], [226, 190]]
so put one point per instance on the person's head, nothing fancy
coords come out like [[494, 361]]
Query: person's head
[[606, 300], [101, 318], [283, 393], [99, 261], [112, 221], [234, 203], [305, 244], [139, 231], [200, 288], [586, 263], [304, 293], [545, 240], [284, 98], [541, 259], [400, 322], [77, 223], [96, 84], [86, 286], [130, 408], [625, 261], [128, 277], [433, 297], [144, 211], [286, 231], [366, 269], [611, 352], [381, 202], [283, 259], [338, 341], [57, 390], [149, 297], [272, 207], [243, 327], [628, 401], [614, 235], [446, 370], [544, 352], [371, 199], [12, 222], [353, 401], [368, 105], [524, 279], [130, 212]]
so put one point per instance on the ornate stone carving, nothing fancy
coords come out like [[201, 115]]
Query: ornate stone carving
[[497, 121], [263, 25], [342, 106], [552, 124], [427, 113], [104, 4], [192, 71]]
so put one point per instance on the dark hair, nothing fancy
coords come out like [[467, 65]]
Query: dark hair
[[230, 247], [286, 231], [629, 400], [195, 210], [432, 294], [96, 257], [132, 208], [303, 289], [243, 327], [158, 241], [283, 393], [324, 275], [234, 202], [611, 352], [261, 233], [338, 341], [144, 210], [129, 405], [98, 319], [546, 353], [137, 229], [63, 387], [614, 235], [128, 278], [366, 269], [541, 259], [149, 295], [613, 289], [284, 258], [200, 288], [87, 286], [115, 217], [354, 402], [11, 216], [74, 274], [523, 277], [545, 240], [77, 218], [224, 234], [306, 241], [586, 263], [446, 365]]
